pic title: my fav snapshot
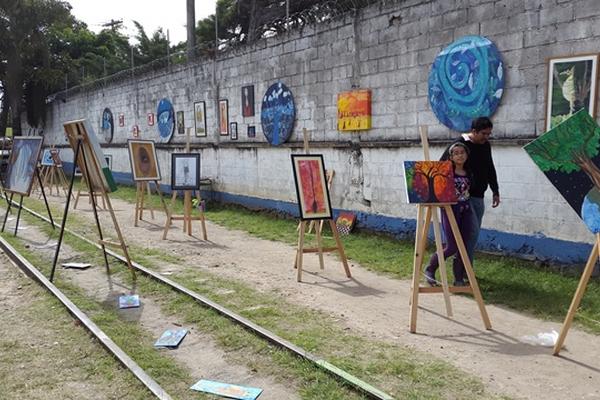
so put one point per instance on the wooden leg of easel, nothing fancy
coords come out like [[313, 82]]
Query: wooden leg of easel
[[202, 217], [149, 197], [137, 204], [142, 191], [77, 198], [340, 248], [583, 281], [119, 235], [442, 262], [319, 247], [300, 251], [160, 196], [468, 267], [417, 262], [169, 213], [311, 225], [187, 212]]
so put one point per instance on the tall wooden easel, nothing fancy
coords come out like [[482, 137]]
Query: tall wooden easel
[[78, 135], [187, 216], [142, 186], [53, 176], [583, 282], [426, 213]]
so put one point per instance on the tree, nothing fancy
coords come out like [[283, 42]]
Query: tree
[[150, 49]]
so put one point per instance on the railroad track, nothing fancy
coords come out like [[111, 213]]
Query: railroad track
[[160, 393]]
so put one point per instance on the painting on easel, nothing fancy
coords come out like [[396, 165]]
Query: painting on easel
[[185, 171], [144, 164], [311, 186], [47, 160], [22, 164], [429, 182]]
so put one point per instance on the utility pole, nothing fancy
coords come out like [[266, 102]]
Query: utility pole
[[113, 24], [191, 30]]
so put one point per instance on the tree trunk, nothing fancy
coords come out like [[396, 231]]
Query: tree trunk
[[4, 115], [592, 171], [14, 88], [431, 197], [252, 23]]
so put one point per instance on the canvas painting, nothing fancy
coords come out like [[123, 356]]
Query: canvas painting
[[108, 159], [233, 130], [95, 164], [180, 123], [171, 338], [278, 114], [129, 301], [251, 131], [107, 127], [248, 101], [311, 186], [166, 120], [144, 163], [223, 118], [55, 154], [345, 222], [227, 390], [185, 171], [354, 110], [22, 164], [47, 160], [429, 182], [200, 118], [571, 87], [569, 156]]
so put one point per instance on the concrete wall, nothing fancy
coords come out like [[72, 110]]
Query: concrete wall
[[388, 48]]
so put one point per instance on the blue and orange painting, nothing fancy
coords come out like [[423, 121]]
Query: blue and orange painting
[[278, 114], [430, 182], [166, 120]]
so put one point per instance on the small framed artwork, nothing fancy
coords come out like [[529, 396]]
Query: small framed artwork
[[571, 86], [233, 130], [144, 164], [251, 131], [200, 118], [108, 159], [136, 131], [248, 101], [223, 118], [150, 118], [185, 171], [121, 119], [354, 110], [311, 186], [47, 160], [180, 123]]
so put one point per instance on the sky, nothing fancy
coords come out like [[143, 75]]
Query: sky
[[151, 14]]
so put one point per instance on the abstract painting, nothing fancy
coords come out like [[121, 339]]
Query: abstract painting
[[466, 81], [200, 118], [248, 101], [185, 171], [278, 114], [22, 164], [354, 110], [107, 127], [223, 118], [233, 130], [430, 182], [166, 120], [345, 222], [311, 186], [251, 131], [144, 164], [180, 123], [569, 156], [571, 87], [47, 160], [227, 390]]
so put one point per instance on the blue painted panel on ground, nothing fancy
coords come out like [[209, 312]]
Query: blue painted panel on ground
[[537, 247]]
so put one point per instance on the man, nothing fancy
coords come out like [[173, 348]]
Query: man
[[481, 165]]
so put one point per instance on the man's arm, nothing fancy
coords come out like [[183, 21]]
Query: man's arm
[[493, 181]]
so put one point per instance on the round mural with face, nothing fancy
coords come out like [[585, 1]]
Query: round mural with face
[[107, 125], [165, 116]]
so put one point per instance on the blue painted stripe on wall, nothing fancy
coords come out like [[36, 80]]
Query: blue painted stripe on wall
[[537, 247]]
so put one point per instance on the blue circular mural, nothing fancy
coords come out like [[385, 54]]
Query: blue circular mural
[[165, 116], [466, 81], [107, 125], [278, 114], [590, 210]]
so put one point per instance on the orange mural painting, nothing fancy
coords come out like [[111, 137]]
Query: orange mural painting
[[354, 110]]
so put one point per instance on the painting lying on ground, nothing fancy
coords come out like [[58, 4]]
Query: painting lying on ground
[[571, 87], [227, 390], [569, 156], [354, 110], [429, 182], [311, 186], [22, 164], [107, 126], [165, 116], [185, 171], [466, 81], [278, 114], [47, 160], [144, 164]]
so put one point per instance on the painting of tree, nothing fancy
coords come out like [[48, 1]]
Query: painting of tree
[[568, 156], [429, 182]]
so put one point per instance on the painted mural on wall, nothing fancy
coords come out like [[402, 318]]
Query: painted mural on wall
[[165, 120], [569, 156], [107, 126], [278, 114], [429, 182], [466, 81], [354, 110]]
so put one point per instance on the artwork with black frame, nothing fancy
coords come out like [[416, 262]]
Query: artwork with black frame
[[248, 101], [311, 186], [233, 130], [185, 171], [251, 131], [200, 118]]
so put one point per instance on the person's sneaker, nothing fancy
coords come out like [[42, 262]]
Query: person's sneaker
[[460, 283], [430, 277]]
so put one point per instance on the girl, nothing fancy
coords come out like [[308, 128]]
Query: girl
[[463, 213]]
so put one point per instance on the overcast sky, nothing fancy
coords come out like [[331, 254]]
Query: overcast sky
[[152, 14]]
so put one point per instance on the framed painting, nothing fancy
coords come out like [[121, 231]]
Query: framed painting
[[107, 127], [200, 118], [47, 160], [166, 120], [144, 163], [233, 130], [22, 164], [223, 117], [150, 119], [248, 101], [55, 154], [571, 86], [354, 110], [135, 131], [278, 114], [251, 131], [94, 163], [180, 123], [121, 120], [429, 182], [185, 171], [108, 159], [311, 186]]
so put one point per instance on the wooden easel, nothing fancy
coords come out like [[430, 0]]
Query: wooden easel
[[54, 176], [142, 186], [187, 217], [78, 136], [583, 282], [81, 193], [425, 214]]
